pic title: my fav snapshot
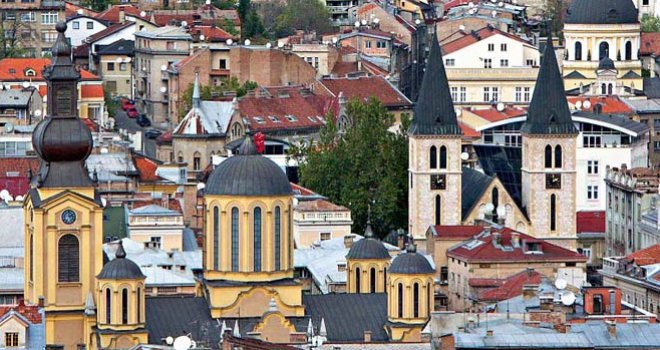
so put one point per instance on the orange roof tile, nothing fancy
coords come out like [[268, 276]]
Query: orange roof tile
[[172, 204], [91, 91], [363, 88], [146, 167], [647, 256], [319, 205], [112, 14], [456, 231], [30, 312], [610, 104], [511, 286], [590, 221], [493, 115], [468, 39], [468, 131], [14, 69]]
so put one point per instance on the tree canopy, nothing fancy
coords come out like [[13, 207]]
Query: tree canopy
[[207, 91], [650, 23], [303, 15], [365, 165]]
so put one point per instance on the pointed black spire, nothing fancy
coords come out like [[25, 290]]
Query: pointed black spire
[[120, 253], [434, 110], [368, 231], [548, 112]]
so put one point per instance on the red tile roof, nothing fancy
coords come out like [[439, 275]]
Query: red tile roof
[[71, 10], [610, 104], [164, 18], [485, 282], [91, 125], [112, 14], [511, 286], [117, 27], [13, 69], [468, 131], [650, 44], [590, 221], [456, 231], [303, 191], [319, 205], [14, 174], [146, 167], [91, 91], [284, 108], [488, 251], [30, 312], [212, 33], [647, 256], [365, 87], [468, 39], [493, 115]]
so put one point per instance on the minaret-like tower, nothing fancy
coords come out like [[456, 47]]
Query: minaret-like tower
[[548, 157], [434, 189], [63, 216]]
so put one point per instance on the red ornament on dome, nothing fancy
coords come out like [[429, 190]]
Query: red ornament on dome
[[260, 142]]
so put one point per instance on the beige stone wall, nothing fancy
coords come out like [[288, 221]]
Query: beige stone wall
[[632, 293], [421, 199], [514, 218], [186, 149]]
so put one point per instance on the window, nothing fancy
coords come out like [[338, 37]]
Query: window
[[628, 51], [496, 93], [603, 50], [553, 212], [111, 86], [28, 16], [592, 192], [400, 304], [170, 45], [433, 157], [257, 239], [372, 276], [548, 156], [11, 339], [518, 94], [486, 94], [76, 25], [139, 305], [155, 242], [530, 62], [416, 300], [234, 239], [223, 63], [108, 306], [558, 160], [527, 94], [592, 167], [454, 93], [367, 44], [357, 280], [381, 44], [463, 94], [438, 212], [124, 306], [197, 160], [216, 237], [49, 18], [609, 89], [444, 272], [491, 94], [111, 66], [598, 304], [443, 157], [591, 141], [278, 239], [491, 47], [488, 63], [31, 256], [68, 259], [503, 47], [90, 25], [48, 36], [122, 66], [325, 236], [578, 51], [504, 63], [450, 62]]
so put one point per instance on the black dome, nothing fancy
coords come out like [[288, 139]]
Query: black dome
[[248, 174], [62, 140], [368, 248], [606, 63], [601, 12], [120, 268], [411, 263]]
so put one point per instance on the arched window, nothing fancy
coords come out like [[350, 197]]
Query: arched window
[[433, 157], [628, 51], [31, 257], [429, 293], [68, 259], [385, 279], [443, 157], [257, 239], [416, 300], [373, 280], [578, 51], [278, 237], [234, 239], [558, 160], [124, 306], [603, 50], [216, 237], [609, 89], [289, 232], [603, 89], [108, 305], [495, 199], [553, 212], [357, 280], [139, 305], [400, 303], [180, 157], [197, 161], [438, 210], [548, 156]]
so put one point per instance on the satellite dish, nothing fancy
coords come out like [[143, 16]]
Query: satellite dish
[[169, 340], [560, 283], [184, 23], [494, 13], [357, 24], [472, 12], [489, 207], [19, 198], [461, 27], [163, 67], [269, 45], [586, 104], [334, 40], [163, 89], [247, 42], [143, 14], [364, 22], [4, 194], [500, 106], [104, 150], [501, 211], [104, 202], [182, 343], [37, 113], [578, 104], [418, 21], [501, 4], [201, 186], [229, 41], [458, 112], [208, 2], [471, 4], [465, 156], [80, 11], [119, 59], [376, 20], [127, 59], [26, 84], [9, 127], [568, 298], [202, 37]]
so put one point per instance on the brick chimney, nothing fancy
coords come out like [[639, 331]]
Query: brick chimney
[[348, 241], [401, 241], [529, 291], [165, 201], [611, 329], [367, 336]]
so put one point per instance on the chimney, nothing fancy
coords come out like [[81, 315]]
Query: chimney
[[611, 329], [515, 239], [401, 241], [165, 201], [529, 291], [41, 302], [563, 328], [348, 241], [122, 15], [489, 333], [367, 336]]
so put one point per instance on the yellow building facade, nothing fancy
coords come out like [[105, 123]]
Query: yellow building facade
[[367, 262]]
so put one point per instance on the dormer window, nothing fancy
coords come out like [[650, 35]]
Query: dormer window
[[30, 72]]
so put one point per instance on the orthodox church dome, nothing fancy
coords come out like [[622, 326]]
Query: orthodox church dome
[[411, 263], [120, 268], [368, 248], [601, 12]]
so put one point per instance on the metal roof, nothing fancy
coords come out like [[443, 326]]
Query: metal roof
[[473, 185], [601, 12], [248, 175], [15, 98]]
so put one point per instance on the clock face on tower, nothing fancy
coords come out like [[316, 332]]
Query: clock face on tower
[[69, 216], [438, 181]]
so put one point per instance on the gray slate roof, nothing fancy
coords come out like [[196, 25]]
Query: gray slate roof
[[628, 335], [575, 75], [652, 87], [411, 263], [153, 209], [601, 12], [618, 120], [121, 268], [473, 185], [15, 98], [368, 248], [119, 47], [248, 175]]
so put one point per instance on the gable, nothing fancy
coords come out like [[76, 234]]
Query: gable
[[514, 215]]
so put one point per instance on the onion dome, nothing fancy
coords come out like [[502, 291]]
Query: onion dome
[[121, 268], [368, 247], [601, 12], [62, 140], [411, 263], [606, 63], [248, 174]]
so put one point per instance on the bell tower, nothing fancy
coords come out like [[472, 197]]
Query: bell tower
[[549, 157], [434, 188], [63, 215]]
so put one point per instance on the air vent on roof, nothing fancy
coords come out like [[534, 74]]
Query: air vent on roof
[[291, 118], [259, 120], [472, 244], [274, 119], [311, 119], [283, 94]]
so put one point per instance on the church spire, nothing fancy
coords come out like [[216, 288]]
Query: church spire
[[196, 97], [434, 110], [548, 112]]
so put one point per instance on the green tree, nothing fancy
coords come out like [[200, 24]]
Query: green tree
[[10, 42], [362, 166], [207, 92], [252, 26], [98, 5], [650, 23], [244, 7], [554, 11], [303, 15], [228, 26], [224, 4]]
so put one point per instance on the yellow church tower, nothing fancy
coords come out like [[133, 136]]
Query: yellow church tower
[[410, 295], [248, 244], [367, 262], [63, 214]]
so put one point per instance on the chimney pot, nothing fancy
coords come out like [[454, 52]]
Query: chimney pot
[[611, 328], [489, 333], [348, 241], [367, 336]]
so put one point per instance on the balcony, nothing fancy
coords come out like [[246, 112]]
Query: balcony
[[52, 3]]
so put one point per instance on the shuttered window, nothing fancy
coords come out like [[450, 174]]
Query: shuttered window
[[68, 259]]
